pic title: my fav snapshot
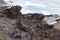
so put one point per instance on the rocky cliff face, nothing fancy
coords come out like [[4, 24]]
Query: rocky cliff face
[[17, 26]]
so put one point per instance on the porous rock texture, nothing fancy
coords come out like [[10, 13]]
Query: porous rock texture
[[17, 26]]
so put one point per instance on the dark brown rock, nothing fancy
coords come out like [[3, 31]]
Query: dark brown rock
[[13, 12]]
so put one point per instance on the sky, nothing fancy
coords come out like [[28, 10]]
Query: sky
[[2, 2], [37, 6]]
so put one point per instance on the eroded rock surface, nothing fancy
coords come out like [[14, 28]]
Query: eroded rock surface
[[17, 26]]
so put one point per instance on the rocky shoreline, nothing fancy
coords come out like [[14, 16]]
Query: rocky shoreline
[[20, 26]]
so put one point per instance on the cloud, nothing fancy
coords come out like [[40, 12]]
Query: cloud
[[46, 6], [31, 9], [5, 2], [2, 2], [9, 2], [27, 3]]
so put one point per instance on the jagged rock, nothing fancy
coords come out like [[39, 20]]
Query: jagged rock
[[26, 26], [34, 16], [38, 16], [13, 12]]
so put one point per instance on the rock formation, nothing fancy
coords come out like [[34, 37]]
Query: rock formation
[[17, 26], [13, 12]]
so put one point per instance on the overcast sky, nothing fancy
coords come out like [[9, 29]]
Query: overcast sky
[[37, 6]]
